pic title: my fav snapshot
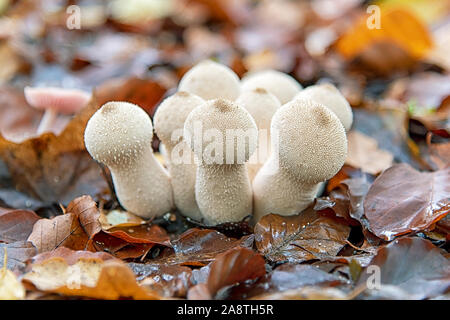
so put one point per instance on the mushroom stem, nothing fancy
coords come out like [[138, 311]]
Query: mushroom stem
[[276, 185], [139, 200], [47, 121], [213, 194]]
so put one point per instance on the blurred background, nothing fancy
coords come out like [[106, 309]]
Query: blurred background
[[389, 58]]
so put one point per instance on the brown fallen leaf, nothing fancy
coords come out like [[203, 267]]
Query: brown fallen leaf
[[50, 169], [413, 265], [85, 274], [402, 200], [143, 92], [363, 153], [303, 237], [169, 281], [198, 247], [16, 225], [284, 278], [234, 266], [64, 230], [439, 152]]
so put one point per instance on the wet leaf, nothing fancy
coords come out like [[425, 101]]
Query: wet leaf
[[169, 281], [403, 200], [234, 266], [306, 236], [198, 247], [286, 277], [413, 265]]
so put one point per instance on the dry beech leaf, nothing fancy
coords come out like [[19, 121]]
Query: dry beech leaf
[[16, 225], [299, 238], [87, 212], [402, 200], [234, 266], [50, 169], [363, 153], [398, 26], [64, 230], [283, 278], [86, 274], [413, 265], [439, 152], [198, 247]]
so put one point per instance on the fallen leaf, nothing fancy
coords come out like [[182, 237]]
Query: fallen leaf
[[143, 92], [169, 281], [413, 265], [50, 169], [64, 230], [198, 247], [87, 212], [306, 236], [85, 274], [234, 266], [398, 26], [363, 152], [403, 200], [16, 225], [284, 278]]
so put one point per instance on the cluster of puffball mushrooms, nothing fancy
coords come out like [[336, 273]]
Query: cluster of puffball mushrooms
[[309, 147]]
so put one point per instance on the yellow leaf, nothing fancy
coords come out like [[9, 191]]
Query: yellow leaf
[[397, 26]]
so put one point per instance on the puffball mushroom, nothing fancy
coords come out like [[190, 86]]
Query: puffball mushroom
[[169, 123], [54, 101], [281, 85], [211, 80], [261, 105], [222, 188], [328, 95], [309, 146], [119, 135]]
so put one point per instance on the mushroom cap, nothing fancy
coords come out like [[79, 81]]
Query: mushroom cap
[[211, 80], [282, 85], [224, 124], [62, 100], [328, 95], [172, 113], [261, 105], [312, 144], [118, 133]]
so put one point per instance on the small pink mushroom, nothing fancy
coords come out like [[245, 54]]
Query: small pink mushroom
[[55, 101]]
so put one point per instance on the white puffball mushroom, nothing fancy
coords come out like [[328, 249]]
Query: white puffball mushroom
[[328, 95], [261, 105], [223, 136], [309, 146], [169, 124], [211, 80], [119, 135], [280, 84]]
